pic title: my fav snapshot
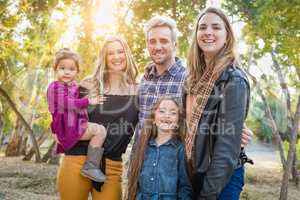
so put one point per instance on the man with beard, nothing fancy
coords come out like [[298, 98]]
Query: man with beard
[[165, 76]]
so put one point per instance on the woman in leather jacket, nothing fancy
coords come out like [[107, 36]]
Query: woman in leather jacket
[[217, 105]]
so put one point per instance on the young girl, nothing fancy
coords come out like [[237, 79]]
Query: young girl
[[158, 168], [69, 114]]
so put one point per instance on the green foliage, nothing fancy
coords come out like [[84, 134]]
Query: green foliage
[[276, 23], [184, 12], [272, 26], [257, 118], [27, 40]]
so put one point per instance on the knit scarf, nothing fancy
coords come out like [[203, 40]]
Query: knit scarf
[[202, 89]]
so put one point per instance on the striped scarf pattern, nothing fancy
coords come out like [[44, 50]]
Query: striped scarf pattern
[[202, 89]]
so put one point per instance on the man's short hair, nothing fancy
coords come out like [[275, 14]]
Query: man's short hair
[[161, 21]]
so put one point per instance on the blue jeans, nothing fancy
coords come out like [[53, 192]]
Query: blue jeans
[[234, 188]]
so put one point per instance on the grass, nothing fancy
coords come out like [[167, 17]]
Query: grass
[[264, 184]]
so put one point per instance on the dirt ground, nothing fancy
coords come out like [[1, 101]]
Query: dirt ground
[[21, 180], [26, 180]]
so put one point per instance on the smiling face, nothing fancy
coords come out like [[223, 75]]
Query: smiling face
[[211, 34], [115, 57], [160, 45], [66, 70], [166, 117]]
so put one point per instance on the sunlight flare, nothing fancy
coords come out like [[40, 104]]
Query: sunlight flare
[[104, 19]]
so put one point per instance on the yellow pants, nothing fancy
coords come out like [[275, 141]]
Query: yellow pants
[[72, 185]]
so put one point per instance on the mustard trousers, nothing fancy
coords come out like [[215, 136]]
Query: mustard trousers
[[72, 185]]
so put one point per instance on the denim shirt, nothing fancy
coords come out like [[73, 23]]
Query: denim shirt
[[164, 174]]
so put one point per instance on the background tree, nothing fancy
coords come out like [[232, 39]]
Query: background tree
[[27, 40], [272, 27], [136, 13]]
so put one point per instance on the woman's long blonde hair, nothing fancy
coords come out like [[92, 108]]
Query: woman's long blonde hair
[[196, 61], [99, 78], [149, 131]]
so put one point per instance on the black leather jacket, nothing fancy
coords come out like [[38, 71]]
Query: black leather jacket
[[218, 140]]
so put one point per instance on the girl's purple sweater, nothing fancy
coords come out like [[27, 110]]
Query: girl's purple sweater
[[69, 114]]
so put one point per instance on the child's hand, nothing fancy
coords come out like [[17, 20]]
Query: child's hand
[[97, 100]]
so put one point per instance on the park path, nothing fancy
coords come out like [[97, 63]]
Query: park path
[[265, 156]]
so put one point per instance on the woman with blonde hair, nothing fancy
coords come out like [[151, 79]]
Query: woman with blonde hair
[[115, 81], [217, 105]]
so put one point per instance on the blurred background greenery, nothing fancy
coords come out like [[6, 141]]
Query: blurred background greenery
[[32, 30]]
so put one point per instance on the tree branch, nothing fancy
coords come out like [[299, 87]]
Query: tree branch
[[282, 81], [31, 134], [270, 117], [291, 153]]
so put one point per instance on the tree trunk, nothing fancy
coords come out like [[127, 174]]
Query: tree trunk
[[272, 121], [31, 152], [275, 130], [1, 131], [13, 145], [285, 91], [23, 146], [267, 110], [295, 171], [282, 81], [1, 138], [33, 140], [290, 157], [21, 135], [50, 156]]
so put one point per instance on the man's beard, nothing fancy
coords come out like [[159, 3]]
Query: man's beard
[[163, 61]]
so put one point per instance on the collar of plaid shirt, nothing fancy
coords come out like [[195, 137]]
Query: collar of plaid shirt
[[153, 86], [172, 70]]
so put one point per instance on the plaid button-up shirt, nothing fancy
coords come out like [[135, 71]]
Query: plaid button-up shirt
[[153, 86]]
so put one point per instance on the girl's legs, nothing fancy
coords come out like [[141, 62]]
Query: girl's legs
[[111, 189], [91, 169], [70, 184], [96, 133], [234, 188]]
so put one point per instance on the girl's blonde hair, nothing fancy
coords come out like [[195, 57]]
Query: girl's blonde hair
[[66, 53], [196, 61], [100, 76], [150, 131]]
